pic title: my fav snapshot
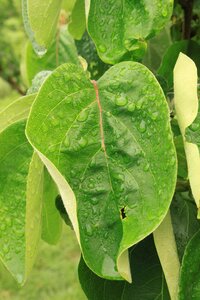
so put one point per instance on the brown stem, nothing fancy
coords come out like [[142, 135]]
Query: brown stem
[[187, 6], [15, 86]]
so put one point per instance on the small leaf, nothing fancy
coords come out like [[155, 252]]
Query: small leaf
[[186, 105], [78, 22], [111, 175], [40, 21], [51, 220], [148, 279], [189, 286], [120, 29]]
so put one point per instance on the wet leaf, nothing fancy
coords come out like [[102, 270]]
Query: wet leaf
[[148, 279], [109, 148], [120, 29], [40, 22], [61, 51]]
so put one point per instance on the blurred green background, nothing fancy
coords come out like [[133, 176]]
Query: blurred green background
[[54, 276]]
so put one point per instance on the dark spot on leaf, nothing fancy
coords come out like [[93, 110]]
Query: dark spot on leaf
[[123, 213]]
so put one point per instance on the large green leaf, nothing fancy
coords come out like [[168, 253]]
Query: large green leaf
[[184, 220], [109, 148], [20, 197], [120, 28], [148, 279], [51, 220], [62, 50], [40, 21], [189, 287]]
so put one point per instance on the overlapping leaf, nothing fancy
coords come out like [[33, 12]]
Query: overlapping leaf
[[61, 51], [190, 48], [167, 252], [189, 286], [78, 22], [120, 28], [40, 22], [184, 220], [108, 146], [51, 220], [148, 279], [186, 105], [20, 191]]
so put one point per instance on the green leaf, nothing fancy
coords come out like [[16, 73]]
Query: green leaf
[[167, 251], [157, 47], [191, 48], [62, 50], [38, 81], [189, 287], [182, 162], [109, 148], [20, 191], [148, 279], [87, 50], [20, 201], [192, 132], [78, 22], [119, 28], [40, 21], [186, 105], [51, 220], [184, 220], [15, 111]]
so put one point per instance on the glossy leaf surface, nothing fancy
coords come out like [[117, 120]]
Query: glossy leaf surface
[[120, 28], [148, 279], [111, 143]]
